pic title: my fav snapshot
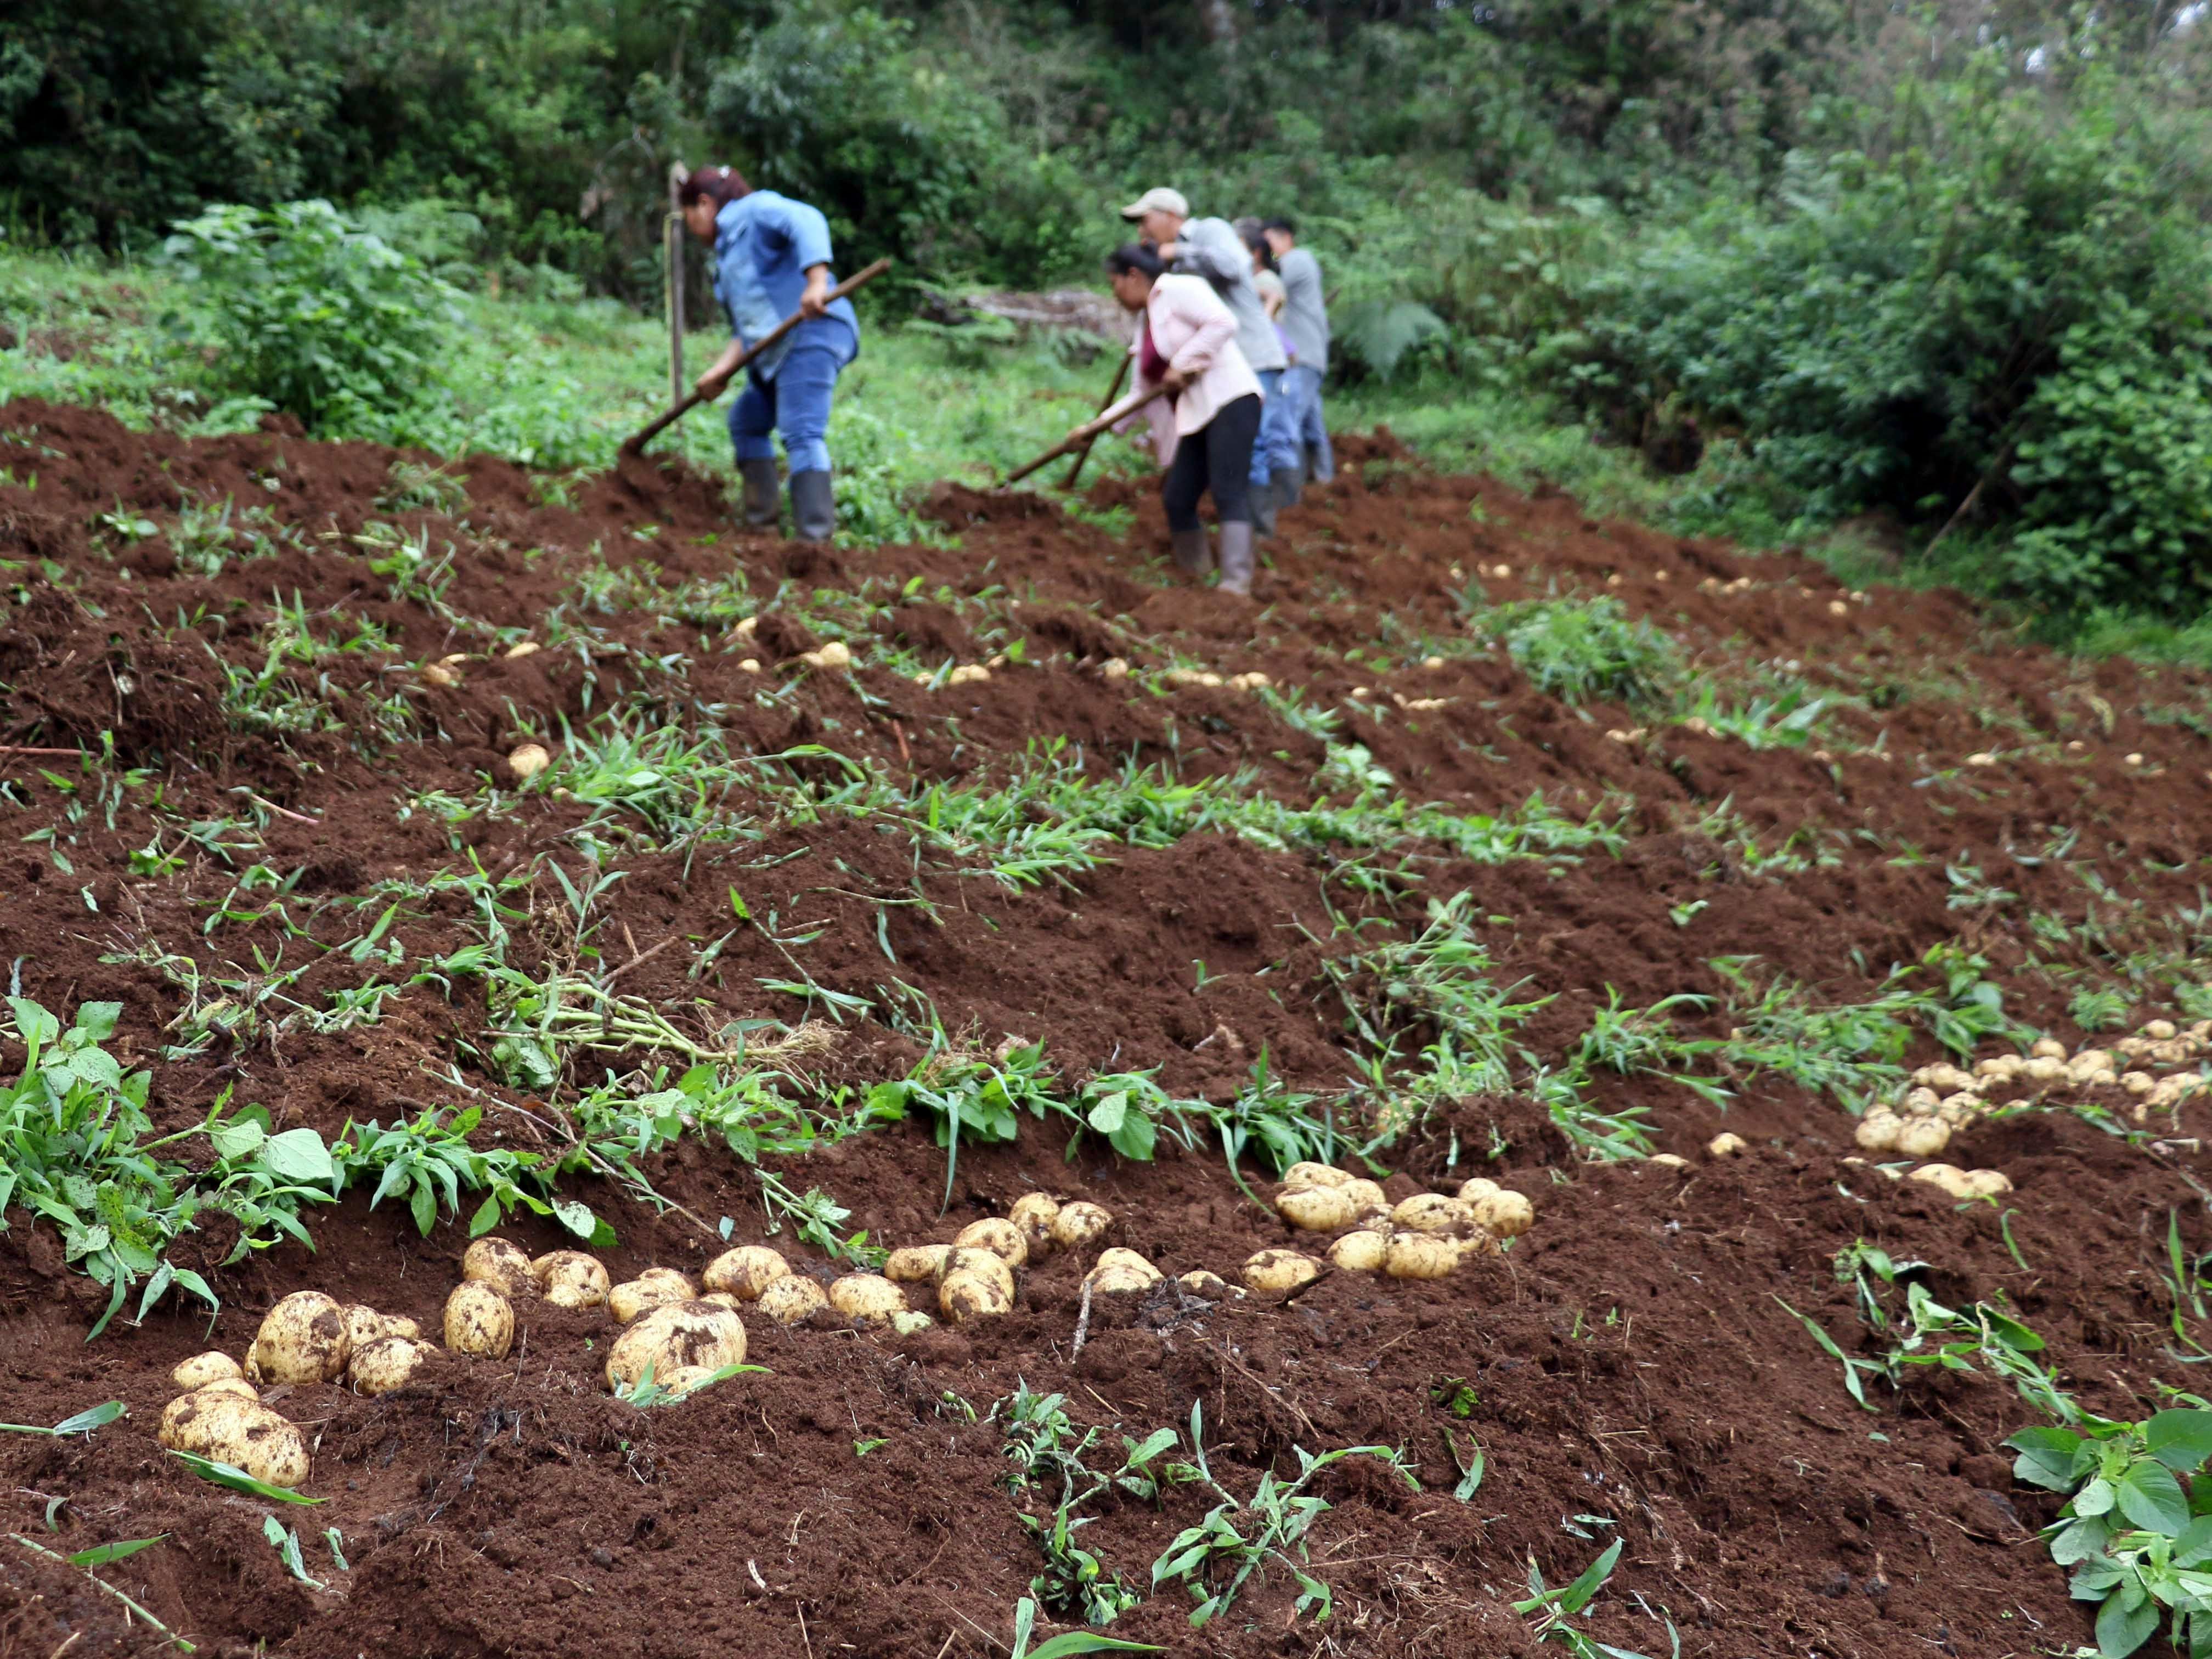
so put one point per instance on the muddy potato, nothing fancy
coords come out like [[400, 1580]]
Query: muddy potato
[[385, 1364], [1727, 1144], [1308, 1174], [1878, 1132], [868, 1297], [673, 1335], [916, 1263], [1923, 1137], [1988, 1183], [243, 1433], [1946, 1176], [571, 1278], [974, 1259], [363, 1326], [965, 1296], [1280, 1271], [685, 1379], [479, 1321], [2159, 1031], [302, 1339], [1116, 1281], [907, 1324], [1130, 1263], [1033, 1212], [627, 1300], [2047, 1048], [1315, 1209], [237, 1385], [501, 1264], [998, 1236], [746, 1271], [1420, 1255], [1361, 1252], [203, 1369], [2043, 1069], [790, 1300], [1207, 1287], [1367, 1197], [1080, 1225], [1504, 1214], [1433, 1212]]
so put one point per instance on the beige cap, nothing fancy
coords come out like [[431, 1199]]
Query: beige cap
[[1158, 200]]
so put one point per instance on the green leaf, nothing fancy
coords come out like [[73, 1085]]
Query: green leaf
[[2121, 1628], [2149, 1496], [2182, 1440], [2079, 1540], [286, 1543], [2048, 1457], [96, 1417], [237, 1480], [299, 1155], [238, 1139], [485, 1218], [100, 1555], [576, 1217], [2096, 1497]]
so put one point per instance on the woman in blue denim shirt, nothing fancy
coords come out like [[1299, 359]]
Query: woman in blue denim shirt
[[771, 258]]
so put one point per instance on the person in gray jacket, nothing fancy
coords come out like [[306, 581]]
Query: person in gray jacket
[[1212, 248], [1298, 443]]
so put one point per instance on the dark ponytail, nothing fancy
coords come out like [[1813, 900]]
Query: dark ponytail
[[721, 184]]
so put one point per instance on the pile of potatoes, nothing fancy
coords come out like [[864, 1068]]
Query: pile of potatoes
[[1942, 1098], [1424, 1237]]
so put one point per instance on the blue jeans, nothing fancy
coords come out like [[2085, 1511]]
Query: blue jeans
[[1290, 426], [1271, 386], [796, 403]]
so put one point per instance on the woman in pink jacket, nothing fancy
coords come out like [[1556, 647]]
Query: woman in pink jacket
[[1203, 428]]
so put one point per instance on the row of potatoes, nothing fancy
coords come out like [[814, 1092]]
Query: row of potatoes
[[1424, 1237]]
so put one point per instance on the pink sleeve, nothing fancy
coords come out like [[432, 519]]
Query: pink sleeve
[[1214, 325]]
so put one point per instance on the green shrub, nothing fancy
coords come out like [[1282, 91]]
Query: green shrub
[[1584, 650], [310, 311]]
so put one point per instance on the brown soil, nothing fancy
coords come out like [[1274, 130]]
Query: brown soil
[[1629, 1360]]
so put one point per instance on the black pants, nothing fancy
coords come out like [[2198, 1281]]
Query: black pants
[[1216, 457]]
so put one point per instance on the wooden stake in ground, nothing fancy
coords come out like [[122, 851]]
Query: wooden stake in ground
[[1075, 467], [1082, 437], [637, 441], [673, 235]]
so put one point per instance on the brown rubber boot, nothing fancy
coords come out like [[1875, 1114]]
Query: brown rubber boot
[[1191, 555]]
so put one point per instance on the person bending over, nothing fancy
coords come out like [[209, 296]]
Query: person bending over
[[1203, 428], [772, 258]]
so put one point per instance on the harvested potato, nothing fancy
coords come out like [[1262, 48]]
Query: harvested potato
[[1127, 1262], [479, 1321], [2159, 1031], [1433, 1212], [1117, 1281], [674, 1335], [916, 1262], [746, 1271], [1923, 1136], [243, 1433], [1280, 1271], [1315, 1209], [1033, 1212], [1305, 1174], [974, 1259], [1878, 1131], [203, 1369], [1207, 1287], [385, 1364], [363, 1326], [1727, 1144], [790, 1300], [1988, 1183], [571, 1278], [527, 760], [1671, 1160], [1504, 1214], [1947, 1177], [685, 1379], [1420, 1255], [1361, 1252], [302, 1339], [907, 1324], [2046, 1049], [501, 1264], [2043, 1069], [998, 1236], [237, 1385], [1367, 1197], [722, 1299], [1080, 1225], [869, 1298], [670, 1277], [962, 1296], [627, 1301]]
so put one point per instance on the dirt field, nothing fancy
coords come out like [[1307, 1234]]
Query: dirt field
[[1628, 1368]]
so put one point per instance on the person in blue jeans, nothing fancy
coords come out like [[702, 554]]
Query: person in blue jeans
[[1301, 436], [772, 258]]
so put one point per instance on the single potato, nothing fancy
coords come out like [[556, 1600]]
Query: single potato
[[1314, 1174], [1987, 1183], [501, 1264], [1948, 1177], [963, 1296], [916, 1262], [1367, 1197], [1433, 1212], [1034, 1212], [685, 1379], [243, 1433], [747, 1271], [1878, 1132], [1080, 1225], [1727, 1144], [1361, 1252], [627, 1301], [673, 1335], [1117, 1281], [385, 1365], [1280, 1271], [302, 1339], [237, 1385], [998, 1236], [1923, 1136], [670, 1277], [570, 1279], [907, 1324], [1420, 1255], [479, 1321], [974, 1259], [1126, 1268], [203, 1369], [1207, 1287], [790, 1300], [869, 1298], [1315, 1209], [1477, 1187], [1504, 1214], [722, 1299]]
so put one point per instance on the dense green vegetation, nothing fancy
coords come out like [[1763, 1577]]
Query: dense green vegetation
[[1941, 271]]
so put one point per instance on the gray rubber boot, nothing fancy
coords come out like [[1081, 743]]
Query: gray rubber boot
[[1264, 503], [813, 506], [760, 491], [1289, 483], [1191, 555], [1237, 558]]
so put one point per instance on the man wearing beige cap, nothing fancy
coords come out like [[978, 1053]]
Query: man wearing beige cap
[[1212, 248]]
